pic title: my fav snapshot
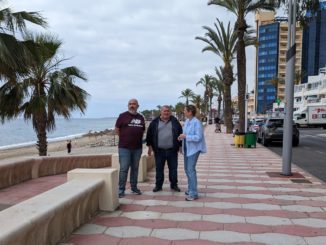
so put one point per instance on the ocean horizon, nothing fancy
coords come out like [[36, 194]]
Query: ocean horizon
[[18, 132]]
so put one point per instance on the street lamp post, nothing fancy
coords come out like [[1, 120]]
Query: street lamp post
[[289, 89]]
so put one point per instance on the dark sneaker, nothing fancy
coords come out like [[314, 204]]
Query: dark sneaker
[[136, 191], [122, 194], [190, 198], [187, 193], [176, 188], [156, 189]]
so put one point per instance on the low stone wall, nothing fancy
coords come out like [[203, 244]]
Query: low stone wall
[[15, 172], [18, 171], [51, 216], [60, 165]]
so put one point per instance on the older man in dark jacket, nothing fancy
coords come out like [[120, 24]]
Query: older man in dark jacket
[[162, 138]]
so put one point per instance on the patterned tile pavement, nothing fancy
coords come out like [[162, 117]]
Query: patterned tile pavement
[[239, 203]]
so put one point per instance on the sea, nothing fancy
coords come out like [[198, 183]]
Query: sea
[[17, 133]]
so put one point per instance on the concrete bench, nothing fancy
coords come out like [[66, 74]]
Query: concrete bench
[[109, 195], [50, 217], [15, 172], [45, 166], [21, 170], [145, 164]]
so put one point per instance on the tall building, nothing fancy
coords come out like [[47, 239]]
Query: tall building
[[314, 39], [271, 59], [282, 55]]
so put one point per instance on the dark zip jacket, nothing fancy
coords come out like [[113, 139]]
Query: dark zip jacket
[[152, 133]]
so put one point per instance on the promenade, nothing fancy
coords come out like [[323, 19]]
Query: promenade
[[242, 200]]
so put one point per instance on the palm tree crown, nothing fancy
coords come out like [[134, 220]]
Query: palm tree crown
[[187, 93], [45, 92], [14, 53]]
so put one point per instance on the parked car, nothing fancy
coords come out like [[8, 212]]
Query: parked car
[[256, 124], [272, 130]]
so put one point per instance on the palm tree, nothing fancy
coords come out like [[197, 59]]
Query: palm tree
[[45, 92], [197, 100], [207, 82], [241, 8], [179, 107], [187, 93], [223, 43], [298, 76], [275, 81], [14, 53], [219, 88]]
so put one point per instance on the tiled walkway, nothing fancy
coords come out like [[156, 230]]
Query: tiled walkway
[[239, 203]]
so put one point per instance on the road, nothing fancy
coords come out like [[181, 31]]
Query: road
[[310, 155]]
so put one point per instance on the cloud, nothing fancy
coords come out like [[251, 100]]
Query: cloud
[[134, 48]]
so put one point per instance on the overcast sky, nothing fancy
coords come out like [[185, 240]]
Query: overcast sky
[[144, 49]]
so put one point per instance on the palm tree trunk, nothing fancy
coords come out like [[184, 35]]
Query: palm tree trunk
[[228, 109], [42, 144], [210, 107], [40, 122], [241, 68], [219, 100], [228, 79]]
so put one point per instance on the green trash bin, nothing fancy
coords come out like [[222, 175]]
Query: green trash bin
[[250, 139]]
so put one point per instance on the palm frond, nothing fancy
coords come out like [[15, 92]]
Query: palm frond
[[16, 21]]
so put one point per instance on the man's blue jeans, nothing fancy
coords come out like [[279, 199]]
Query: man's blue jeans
[[171, 156], [190, 169], [128, 158]]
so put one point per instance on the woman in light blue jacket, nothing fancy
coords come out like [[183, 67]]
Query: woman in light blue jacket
[[193, 145]]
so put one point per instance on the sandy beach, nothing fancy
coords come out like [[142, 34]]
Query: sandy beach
[[103, 142], [91, 143]]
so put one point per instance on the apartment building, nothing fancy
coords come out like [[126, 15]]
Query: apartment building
[[272, 35]]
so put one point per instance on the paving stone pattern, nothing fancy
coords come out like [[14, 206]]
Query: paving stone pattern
[[239, 203]]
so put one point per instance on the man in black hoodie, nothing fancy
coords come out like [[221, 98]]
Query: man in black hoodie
[[162, 138]]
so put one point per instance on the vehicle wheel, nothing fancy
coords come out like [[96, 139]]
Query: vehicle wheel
[[295, 142], [324, 127], [264, 141]]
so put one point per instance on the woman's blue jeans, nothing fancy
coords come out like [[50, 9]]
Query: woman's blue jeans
[[128, 158], [190, 169]]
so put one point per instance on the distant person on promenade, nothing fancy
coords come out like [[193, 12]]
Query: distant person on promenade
[[162, 138], [69, 146], [217, 122], [193, 144], [130, 127]]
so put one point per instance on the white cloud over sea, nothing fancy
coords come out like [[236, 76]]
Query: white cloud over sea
[[144, 49]]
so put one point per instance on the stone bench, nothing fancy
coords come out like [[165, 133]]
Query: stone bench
[[16, 172], [50, 217], [21, 170]]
